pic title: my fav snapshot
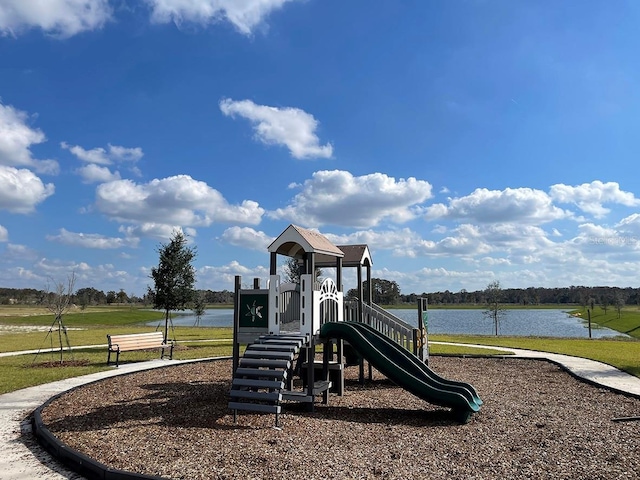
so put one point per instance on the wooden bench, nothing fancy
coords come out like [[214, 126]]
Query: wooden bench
[[137, 341]]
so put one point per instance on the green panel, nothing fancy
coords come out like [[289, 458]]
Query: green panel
[[425, 319], [254, 310]]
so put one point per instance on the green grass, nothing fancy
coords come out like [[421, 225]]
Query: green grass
[[90, 327], [629, 321], [620, 353]]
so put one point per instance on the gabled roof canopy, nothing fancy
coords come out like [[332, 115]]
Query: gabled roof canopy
[[296, 241], [354, 255]]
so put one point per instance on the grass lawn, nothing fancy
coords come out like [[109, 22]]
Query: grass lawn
[[91, 326]]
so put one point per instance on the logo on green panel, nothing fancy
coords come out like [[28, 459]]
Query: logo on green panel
[[425, 319], [255, 310]]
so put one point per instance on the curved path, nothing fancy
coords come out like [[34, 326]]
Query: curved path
[[23, 459]]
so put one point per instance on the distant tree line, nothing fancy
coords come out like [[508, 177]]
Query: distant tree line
[[384, 292], [574, 295], [88, 296]]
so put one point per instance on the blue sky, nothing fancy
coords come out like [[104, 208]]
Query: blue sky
[[465, 141]]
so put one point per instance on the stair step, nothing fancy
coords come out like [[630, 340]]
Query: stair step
[[255, 407], [278, 347], [262, 373], [253, 383], [268, 354], [271, 363], [260, 396]]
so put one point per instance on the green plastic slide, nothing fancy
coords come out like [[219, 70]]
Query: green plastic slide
[[405, 369]]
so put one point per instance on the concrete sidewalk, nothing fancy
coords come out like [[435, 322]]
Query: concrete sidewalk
[[23, 459], [591, 371]]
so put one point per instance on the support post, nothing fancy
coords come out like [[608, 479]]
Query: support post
[[236, 324], [423, 322]]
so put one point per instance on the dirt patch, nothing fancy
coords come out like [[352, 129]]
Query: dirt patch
[[63, 364]]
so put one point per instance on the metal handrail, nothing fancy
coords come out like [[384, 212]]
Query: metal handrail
[[382, 320]]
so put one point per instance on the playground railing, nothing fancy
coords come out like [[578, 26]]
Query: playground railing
[[382, 320]]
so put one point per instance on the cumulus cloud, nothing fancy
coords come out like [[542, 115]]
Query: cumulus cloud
[[4, 234], [178, 200], [93, 173], [247, 237], [590, 197], [524, 205], [92, 240], [291, 127], [21, 190], [16, 139], [244, 15], [98, 159], [62, 18], [338, 198], [223, 277]]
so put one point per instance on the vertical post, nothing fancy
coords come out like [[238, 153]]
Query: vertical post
[[589, 317], [423, 325], [236, 324]]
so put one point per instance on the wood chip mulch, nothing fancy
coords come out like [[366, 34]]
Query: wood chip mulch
[[537, 422]]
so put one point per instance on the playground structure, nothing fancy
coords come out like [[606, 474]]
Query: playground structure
[[283, 324]]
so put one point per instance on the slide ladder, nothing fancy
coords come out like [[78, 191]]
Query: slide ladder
[[262, 374]]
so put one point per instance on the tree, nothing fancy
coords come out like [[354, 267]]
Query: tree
[[619, 303], [59, 303], [383, 292], [174, 277], [495, 311], [199, 306], [293, 268]]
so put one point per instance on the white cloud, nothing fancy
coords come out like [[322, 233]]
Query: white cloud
[[524, 205], [63, 18], [99, 158], [178, 200], [590, 197], [245, 15], [291, 127], [630, 224], [92, 240], [16, 252], [4, 234], [338, 198], [16, 139], [21, 190], [156, 230], [223, 277], [124, 154], [247, 237], [382, 240], [93, 173]]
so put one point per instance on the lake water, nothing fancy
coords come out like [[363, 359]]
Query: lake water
[[543, 322]]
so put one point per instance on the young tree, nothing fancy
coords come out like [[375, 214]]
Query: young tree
[[495, 311], [58, 303], [174, 277], [199, 306]]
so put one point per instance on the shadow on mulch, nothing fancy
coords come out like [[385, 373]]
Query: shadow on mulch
[[376, 415], [185, 405]]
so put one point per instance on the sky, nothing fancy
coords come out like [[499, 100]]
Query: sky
[[464, 141]]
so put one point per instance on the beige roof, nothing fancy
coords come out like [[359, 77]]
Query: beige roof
[[296, 241], [354, 255]]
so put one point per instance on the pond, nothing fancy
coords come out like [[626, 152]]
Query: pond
[[520, 322]]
